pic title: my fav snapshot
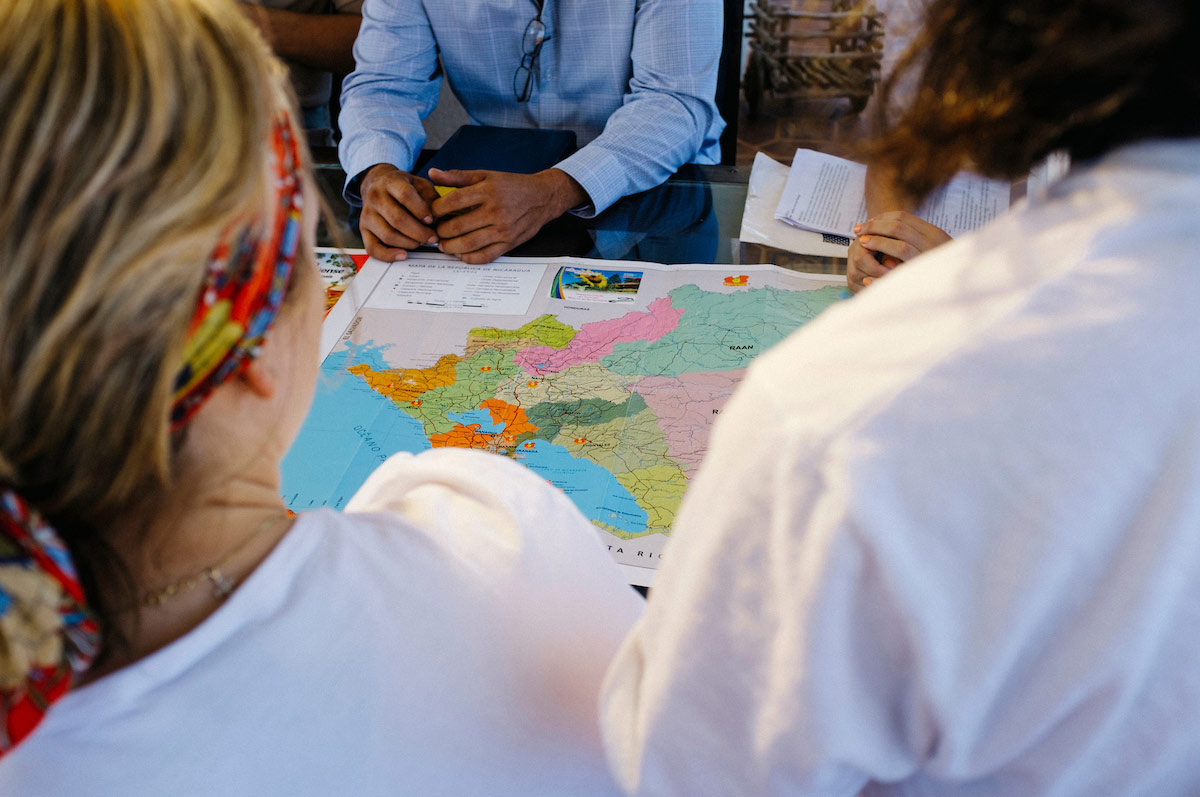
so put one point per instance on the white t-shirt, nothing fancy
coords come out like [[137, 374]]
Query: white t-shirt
[[446, 635], [947, 538]]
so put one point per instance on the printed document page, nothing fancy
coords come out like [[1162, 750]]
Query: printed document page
[[965, 203], [823, 193], [759, 224], [826, 194]]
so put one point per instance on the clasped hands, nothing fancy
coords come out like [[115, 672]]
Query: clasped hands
[[884, 242], [487, 215]]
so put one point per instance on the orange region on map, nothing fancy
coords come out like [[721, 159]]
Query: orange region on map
[[405, 384], [513, 418], [463, 437]]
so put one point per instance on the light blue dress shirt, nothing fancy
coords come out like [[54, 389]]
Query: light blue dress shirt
[[635, 80]]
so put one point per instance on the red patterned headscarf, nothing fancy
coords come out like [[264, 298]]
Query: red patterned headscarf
[[247, 280], [46, 632]]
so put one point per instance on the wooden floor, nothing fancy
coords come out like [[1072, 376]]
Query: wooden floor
[[785, 125]]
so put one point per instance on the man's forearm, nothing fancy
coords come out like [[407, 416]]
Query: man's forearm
[[384, 97], [566, 193], [321, 41], [666, 118]]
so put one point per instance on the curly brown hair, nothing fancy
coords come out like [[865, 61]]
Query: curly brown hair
[[1004, 83]]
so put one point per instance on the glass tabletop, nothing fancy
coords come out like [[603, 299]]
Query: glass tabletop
[[694, 217]]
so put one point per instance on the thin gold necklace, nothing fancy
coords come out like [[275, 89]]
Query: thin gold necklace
[[222, 585]]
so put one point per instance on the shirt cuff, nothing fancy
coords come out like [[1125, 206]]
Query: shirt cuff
[[601, 175], [365, 156]]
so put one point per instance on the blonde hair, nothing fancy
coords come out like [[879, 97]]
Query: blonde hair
[[134, 140]]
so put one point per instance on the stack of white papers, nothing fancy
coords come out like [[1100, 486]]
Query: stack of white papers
[[826, 194], [759, 225]]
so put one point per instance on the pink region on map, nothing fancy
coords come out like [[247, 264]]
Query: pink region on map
[[685, 406], [597, 339]]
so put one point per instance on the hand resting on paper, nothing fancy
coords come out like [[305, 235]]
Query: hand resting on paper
[[884, 242], [491, 212]]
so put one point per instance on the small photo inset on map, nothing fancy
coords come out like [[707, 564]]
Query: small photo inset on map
[[337, 269], [582, 284]]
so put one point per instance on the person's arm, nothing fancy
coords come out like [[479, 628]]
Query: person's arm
[[891, 234], [394, 86], [321, 41], [883, 191], [670, 110]]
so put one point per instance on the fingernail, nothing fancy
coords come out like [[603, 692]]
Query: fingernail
[[867, 281], [857, 228], [402, 256], [865, 239], [429, 219], [432, 239]]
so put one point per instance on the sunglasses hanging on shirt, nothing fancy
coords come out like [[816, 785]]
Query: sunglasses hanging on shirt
[[531, 44]]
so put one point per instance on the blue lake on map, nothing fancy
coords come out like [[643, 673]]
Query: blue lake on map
[[481, 417], [349, 431]]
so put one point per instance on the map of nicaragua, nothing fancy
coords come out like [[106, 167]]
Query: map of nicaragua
[[615, 412]]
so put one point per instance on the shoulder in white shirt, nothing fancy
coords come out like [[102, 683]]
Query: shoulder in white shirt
[[447, 634], [946, 537]]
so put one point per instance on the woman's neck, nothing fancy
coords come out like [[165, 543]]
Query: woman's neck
[[184, 557]]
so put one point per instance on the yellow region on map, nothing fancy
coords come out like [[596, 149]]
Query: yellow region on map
[[405, 384]]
